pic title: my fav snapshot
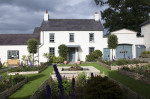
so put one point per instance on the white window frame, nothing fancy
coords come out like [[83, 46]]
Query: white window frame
[[90, 52], [13, 54], [52, 39], [71, 34], [91, 39], [53, 52]]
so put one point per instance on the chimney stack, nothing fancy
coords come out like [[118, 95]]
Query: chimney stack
[[96, 16], [46, 16]]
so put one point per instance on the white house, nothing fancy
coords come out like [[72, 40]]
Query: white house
[[82, 36]]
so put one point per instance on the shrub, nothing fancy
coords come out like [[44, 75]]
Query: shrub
[[102, 88], [63, 51], [146, 52], [81, 79], [57, 59], [90, 58], [97, 54]]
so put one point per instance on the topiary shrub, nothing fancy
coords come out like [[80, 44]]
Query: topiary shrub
[[90, 58], [57, 59], [102, 88], [97, 54], [63, 51]]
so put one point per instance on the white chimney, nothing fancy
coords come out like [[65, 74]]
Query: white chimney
[[46, 16], [96, 16]]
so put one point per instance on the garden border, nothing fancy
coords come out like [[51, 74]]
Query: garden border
[[12, 89], [28, 72], [135, 76]]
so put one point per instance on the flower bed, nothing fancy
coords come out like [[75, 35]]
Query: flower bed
[[7, 82], [139, 72], [115, 65], [27, 70]]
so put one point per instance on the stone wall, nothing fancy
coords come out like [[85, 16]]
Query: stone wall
[[135, 76], [11, 90], [38, 92], [143, 59]]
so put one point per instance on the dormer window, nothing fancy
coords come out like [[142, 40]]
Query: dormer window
[[91, 37], [71, 37], [52, 37]]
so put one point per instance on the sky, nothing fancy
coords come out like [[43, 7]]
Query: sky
[[22, 16]]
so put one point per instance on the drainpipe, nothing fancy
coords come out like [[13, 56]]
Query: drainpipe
[[40, 47]]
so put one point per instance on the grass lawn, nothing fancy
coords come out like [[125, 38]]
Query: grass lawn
[[34, 82], [37, 79]]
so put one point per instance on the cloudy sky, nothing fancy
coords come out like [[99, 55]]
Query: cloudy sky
[[21, 16]]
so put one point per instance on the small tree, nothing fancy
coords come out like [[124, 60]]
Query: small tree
[[112, 42], [32, 47], [63, 51]]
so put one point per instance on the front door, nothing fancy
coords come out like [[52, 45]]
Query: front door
[[72, 54]]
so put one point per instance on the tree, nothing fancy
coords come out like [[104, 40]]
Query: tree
[[32, 47], [63, 51], [112, 42], [124, 13]]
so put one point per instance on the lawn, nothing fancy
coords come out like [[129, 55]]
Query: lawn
[[34, 82], [37, 79]]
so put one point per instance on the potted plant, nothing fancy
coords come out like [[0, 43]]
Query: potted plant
[[63, 51], [79, 62]]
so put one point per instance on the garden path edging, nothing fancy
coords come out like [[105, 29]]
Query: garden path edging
[[11, 90]]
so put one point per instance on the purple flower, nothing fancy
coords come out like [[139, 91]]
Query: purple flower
[[92, 75], [73, 84], [48, 94], [0, 76], [59, 79], [27, 61]]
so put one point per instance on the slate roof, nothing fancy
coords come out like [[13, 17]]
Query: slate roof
[[71, 25], [17, 39], [145, 23]]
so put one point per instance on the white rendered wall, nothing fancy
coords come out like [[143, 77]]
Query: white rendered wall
[[3, 51], [128, 37], [145, 30], [80, 38]]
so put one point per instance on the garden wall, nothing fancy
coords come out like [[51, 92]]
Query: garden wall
[[27, 72], [143, 59], [119, 67], [135, 76], [37, 93], [11, 90]]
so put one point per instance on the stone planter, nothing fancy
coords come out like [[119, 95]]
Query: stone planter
[[8, 92], [65, 62], [78, 62]]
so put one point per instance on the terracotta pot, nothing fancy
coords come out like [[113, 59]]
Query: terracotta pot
[[78, 62], [65, 62]]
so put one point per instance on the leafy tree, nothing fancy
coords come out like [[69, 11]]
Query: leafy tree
[[32, 47], [63, 51], [112, 42], [124, 13]]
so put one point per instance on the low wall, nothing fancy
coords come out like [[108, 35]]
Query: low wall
[[119, 67], [11, 90], [143, 59], [37, 94], [24, 73], [135, 76], [27, 72]]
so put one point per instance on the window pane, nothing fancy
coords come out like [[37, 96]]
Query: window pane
[[91, 37], [51, 37], [91, 50], [13, 54], [71, 37], [52, 50]]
